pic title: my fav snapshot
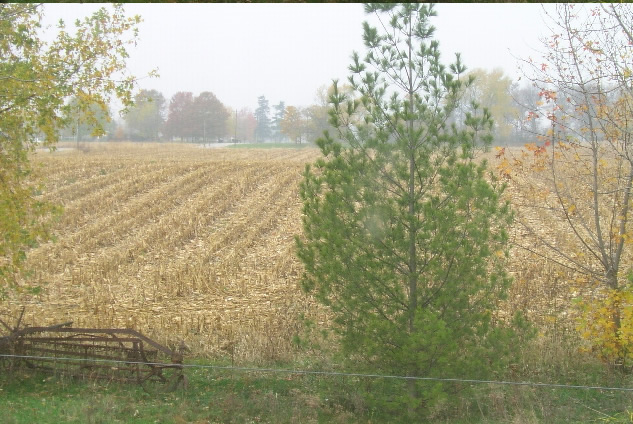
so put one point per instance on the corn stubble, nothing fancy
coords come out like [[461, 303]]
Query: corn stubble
[[180, 243], [197, 246], [544, 285]]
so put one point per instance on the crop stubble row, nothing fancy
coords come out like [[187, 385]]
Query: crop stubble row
[[197, 247]]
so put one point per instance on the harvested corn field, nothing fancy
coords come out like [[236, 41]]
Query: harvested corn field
[[189, 244], [178, 242]]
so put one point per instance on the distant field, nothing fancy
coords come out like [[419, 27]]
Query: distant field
[[273, 146], [179, 242]]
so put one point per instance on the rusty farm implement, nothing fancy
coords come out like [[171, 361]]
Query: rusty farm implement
[[96, 353]]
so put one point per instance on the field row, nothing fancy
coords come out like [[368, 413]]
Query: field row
[[197, 245], [194, 247]]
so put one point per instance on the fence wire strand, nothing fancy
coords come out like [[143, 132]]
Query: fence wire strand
[[327, 373]]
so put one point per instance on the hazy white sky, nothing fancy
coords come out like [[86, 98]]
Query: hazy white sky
[[287, 51]]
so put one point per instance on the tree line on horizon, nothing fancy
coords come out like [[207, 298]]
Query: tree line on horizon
[[201, 119], [205, 119]]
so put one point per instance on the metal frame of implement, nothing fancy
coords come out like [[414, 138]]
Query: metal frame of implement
[[99, 353]]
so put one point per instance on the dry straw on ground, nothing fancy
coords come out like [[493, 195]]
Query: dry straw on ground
[[178, 242], [194, 245]]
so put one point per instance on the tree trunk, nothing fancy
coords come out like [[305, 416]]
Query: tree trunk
[[413, 265]]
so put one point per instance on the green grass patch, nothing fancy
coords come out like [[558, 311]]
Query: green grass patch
[[237, 396]]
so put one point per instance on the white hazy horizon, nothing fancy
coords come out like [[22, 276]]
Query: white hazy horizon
[[287, 51]]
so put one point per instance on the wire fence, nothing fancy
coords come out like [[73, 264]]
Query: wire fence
[[329, 373]]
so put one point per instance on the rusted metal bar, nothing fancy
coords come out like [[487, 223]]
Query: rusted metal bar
[[81, 354], [83, 339], [111, 331], [56, 348], [5, 325]]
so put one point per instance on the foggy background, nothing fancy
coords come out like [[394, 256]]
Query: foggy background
[[287, 51]]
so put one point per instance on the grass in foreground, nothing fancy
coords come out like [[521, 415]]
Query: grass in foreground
[[222, 396]]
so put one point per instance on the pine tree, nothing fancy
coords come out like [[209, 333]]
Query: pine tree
[[262, 131], [280, 111], [404, 232], [145, 119]]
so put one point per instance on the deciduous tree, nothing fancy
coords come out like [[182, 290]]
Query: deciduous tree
[[244, 128], [492, 90], [582, 168], [180, 118], [527, 127], [404, 234], [209, 117], [317, 114], [146, 118], [79, 118], [293, 125], [37, 78]]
